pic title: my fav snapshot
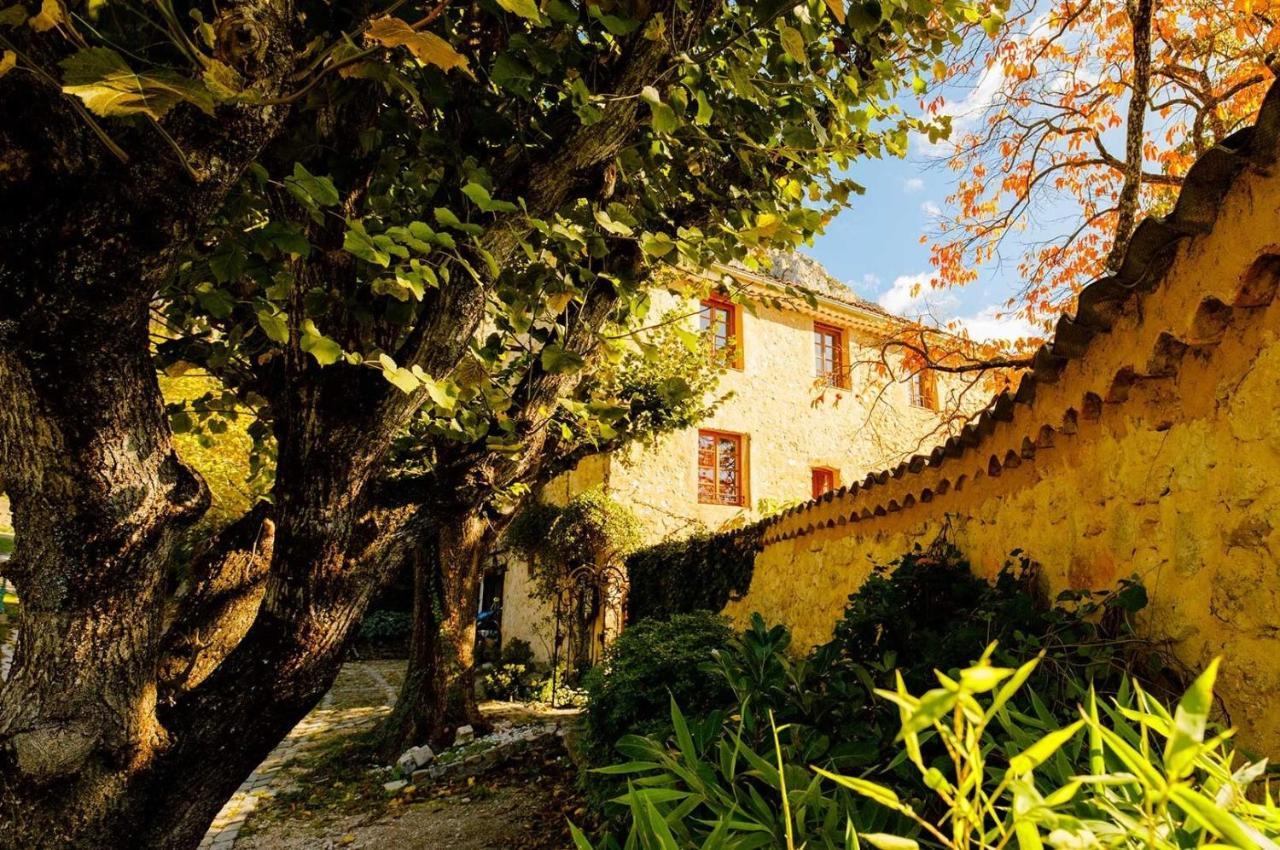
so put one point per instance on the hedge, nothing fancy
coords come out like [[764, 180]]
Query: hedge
[[700, 572]]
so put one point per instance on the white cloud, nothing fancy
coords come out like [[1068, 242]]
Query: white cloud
[[911, 295], [931, 209], [912, 184], [990, 323]]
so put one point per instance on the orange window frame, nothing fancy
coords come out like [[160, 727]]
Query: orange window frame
[[924, 389], [828, 355], [712, 488], [720, 316], [824, 480]]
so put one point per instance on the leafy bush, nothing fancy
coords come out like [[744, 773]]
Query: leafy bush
[[649, 663], [386, 626], [517, 651], [519, 682], [928, 612], [1102, 781], [515, 676], [700, 572]]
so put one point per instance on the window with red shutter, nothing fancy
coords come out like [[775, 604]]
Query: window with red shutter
[[720, 468], [719, 321], [824, 481], [828, 355]]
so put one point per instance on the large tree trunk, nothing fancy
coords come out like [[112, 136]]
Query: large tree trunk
[[420, 712], [97, 492], [439, 691]]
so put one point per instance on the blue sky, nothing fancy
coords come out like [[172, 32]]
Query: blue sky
[[876, 243], [874, 246]]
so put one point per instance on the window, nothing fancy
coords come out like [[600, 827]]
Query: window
[[924, 389], [828, 355], [719, 320], [720, 469], [824, 481]]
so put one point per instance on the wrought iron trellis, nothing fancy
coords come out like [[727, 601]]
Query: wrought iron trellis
[[584, 599]]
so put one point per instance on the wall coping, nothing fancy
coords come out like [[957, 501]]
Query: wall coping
[[1102, 303]]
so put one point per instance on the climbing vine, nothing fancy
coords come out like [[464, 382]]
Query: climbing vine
[[700, 572]]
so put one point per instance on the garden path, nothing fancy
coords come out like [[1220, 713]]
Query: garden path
[[363, 692]]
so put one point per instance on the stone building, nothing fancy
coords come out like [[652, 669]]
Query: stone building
[[809, 408]]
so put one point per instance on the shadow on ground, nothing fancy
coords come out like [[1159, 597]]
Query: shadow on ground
[[323, 786]]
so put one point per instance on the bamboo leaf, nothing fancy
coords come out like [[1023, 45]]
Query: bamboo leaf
[[1189, 722], [1035, 755]]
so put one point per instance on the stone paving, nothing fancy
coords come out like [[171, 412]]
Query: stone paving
[[360, 696]]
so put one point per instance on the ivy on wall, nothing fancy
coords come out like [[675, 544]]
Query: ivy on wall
[[700, 572]]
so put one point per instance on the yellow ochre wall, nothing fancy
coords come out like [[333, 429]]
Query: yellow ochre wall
[[1151, 447]]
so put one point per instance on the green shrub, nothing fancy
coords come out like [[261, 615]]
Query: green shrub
[[650, 662], [1127, 775], [928, 612], [702, 572], [518, 682], [515, 676], [517, 651], [386, 626]]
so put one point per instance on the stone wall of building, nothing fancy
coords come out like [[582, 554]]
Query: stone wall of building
[[789, 423], [1145, 441]]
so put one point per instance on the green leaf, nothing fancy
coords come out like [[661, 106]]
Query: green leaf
[[872, 791], [885, 841], [865, 15], [1135, 761], [1035, 755], [704, 114], [1218, 820], [404, 379], [322, 348], [216, 302], [555, 358], [580, 841], [664, 118], [615, 227], [793, 44], [357, 242], [479, 196], [13, 16], [274, 323], [1189, 722], [109, 87], [304, 185], [656, 244], [527, 9], [992, 23], [1012, 685], [982, 678]]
